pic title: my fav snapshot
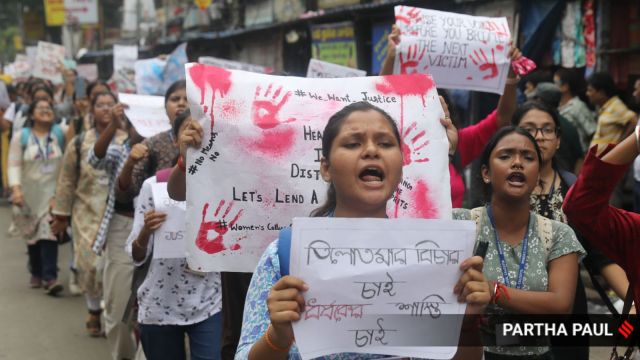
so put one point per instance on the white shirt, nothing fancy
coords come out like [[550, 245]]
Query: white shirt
[[171, 294]]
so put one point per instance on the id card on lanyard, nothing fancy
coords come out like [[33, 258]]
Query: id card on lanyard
[[46, 168]]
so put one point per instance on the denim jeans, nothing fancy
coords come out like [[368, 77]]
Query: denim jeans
[[161, 342], [43, 260]]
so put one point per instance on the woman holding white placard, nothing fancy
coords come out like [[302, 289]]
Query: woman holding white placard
[[362, 161]]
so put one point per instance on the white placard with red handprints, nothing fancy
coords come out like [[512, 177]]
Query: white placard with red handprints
[[459, 51], [258, 166], [48, 61]]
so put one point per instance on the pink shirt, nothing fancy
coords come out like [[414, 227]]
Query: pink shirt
[[471, 142]]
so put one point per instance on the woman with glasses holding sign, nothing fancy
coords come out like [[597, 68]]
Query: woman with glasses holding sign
[[34, 163], [357, 139]]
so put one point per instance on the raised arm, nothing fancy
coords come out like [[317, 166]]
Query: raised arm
[[191, 136], [392, 41], [507, 103], [102, 144]]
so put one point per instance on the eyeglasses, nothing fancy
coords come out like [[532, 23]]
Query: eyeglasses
[[104, 105], [546, 131], [44, 108]]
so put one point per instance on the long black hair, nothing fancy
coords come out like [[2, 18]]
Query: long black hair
[[331, 131], [493, 142]]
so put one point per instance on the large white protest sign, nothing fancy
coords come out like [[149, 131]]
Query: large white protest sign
[[322, 69], [124, 60], [367, 289], [234, 65], [21, 67], [48, 61], [170, 239], [146, 113], [259, 162], [459, 51]]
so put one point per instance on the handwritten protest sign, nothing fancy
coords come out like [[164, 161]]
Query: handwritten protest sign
[[323, 69], [50, 57], [149, 76], [234, 65], [124, 60], [146, 113], [260, 155], [169, 240], [367, 289], [459, 51], [21, 67]]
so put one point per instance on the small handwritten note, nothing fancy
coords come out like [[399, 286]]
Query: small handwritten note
[[379, 286], [460, 51], [146, 113], [169, 241]]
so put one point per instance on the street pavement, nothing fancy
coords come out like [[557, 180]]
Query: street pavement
[[34, 326]]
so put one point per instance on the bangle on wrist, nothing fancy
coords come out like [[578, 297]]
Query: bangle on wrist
[[271, 345], [181, 164], [513, 81]]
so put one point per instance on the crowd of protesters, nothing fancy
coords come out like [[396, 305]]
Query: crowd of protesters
[[76, 170]]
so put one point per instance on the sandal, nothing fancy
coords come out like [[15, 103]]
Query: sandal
[[94, 327]]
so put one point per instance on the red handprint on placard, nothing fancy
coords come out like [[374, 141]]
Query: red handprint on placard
[[220, 226], [411, 62], [408, 15], [412, 144], [267, 106], [501, 30], [480, 59]]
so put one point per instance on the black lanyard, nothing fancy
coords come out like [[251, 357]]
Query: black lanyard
[[44, 155]]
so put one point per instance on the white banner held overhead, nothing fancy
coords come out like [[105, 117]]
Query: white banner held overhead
[[322, 69], [234, 65], [459, 51], [80, 12], [170, 239], [146, 113], [259, 162], [367, 289], [48, 62], [124, 60]]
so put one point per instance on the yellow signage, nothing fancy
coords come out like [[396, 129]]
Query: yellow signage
[[54, 11], [203, 4]]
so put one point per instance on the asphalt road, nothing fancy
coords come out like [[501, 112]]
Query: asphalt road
[[35, 326]]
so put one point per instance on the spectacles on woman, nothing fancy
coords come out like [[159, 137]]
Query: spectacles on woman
[[546, 131]]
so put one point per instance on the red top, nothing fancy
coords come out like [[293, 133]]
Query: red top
[[613, 231], [471, 142]]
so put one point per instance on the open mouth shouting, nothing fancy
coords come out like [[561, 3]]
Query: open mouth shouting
[[372, 176], [517, 179]]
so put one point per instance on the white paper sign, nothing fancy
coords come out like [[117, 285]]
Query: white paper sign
[[322, 69], [81, 11], [146, 113], [169, 240], [234, 65], [88, 71], [48, 61], [124, 59], [380, 286], [459, 51], [259, 162], [21, 67]]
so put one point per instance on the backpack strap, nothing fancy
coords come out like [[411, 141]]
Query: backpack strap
[[284, 250], [567, 177], [545, 231], [59, 134], [24, 137]]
